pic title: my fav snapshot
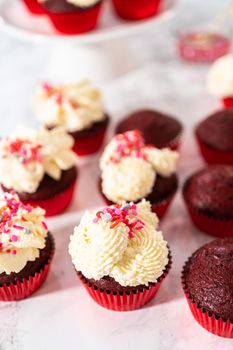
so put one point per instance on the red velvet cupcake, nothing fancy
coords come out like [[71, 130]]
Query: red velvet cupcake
[[78, 108], [208, 195], [158, 129], [40, 168], [73, 16], [34, 6], [207, 283], [131, 170], [215, 137], [120, 256], [220, 80], [136, 9], [26, 248]]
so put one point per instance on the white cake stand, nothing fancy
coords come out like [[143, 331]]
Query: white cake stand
[[100, 55]]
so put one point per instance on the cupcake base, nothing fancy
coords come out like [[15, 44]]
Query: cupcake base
[[208, 320], [34, 7], [29, 284], [213, 156], [119, 301], [136, 9], [78, 21]]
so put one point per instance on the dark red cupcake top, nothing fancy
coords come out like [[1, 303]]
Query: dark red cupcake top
[[158, 129], [209, 277], [217, 130], [210, 191]]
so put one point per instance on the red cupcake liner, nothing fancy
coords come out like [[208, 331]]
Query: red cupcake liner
[[90, 143], [208, 320], [80, 21], [23, 289], [211, 225], [56, 204], [227, 102], [34, 7], [136, 9], [124, 301], [213, 156], [160, 209]]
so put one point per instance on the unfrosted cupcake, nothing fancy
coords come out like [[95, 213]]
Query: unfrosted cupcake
[[40, 167], [136, 9], [207, 281], [73, 16], [220, 80], [120, 256], [26, 248], [78, 108], [131, 171]]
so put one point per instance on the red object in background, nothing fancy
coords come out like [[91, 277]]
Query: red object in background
[[136, 9], [227, 102], [34, 7], [76, 22], [56, 204], [203, 46], [160, 209], [214, 156]]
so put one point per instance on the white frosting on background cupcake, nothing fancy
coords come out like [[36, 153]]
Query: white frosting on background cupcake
[[220, 77], [129, 167], [74, 106], [23, 233], [27, 156], [120, 242]]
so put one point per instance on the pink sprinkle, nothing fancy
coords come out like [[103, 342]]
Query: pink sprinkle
[[14, 252], [44, 225], [18, 227], [14, 238]]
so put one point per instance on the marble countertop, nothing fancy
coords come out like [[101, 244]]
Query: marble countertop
[[61, 315]]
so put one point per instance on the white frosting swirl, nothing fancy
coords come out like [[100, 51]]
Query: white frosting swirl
[[23, 233], [74, 106], [97, 250], [27, 156], [82, 3], [220, 77], [129, 167]]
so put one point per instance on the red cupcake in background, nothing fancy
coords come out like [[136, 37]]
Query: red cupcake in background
[[158, 129], [34, 6], [40, 168], [78, 108], [26, 248], [136, 9], [220, 80], [132, 170], [73, 16], [120, 256], [215, 137], [208, 195]]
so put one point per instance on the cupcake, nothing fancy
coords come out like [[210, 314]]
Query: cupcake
[[39, 167], [73, 16], [131, 171], [158, 129], [34, 6], [207, 283], [208, 195], [120, 256], [220, 80], [136, 9], [78, 108], [26, 248], [214, 137]]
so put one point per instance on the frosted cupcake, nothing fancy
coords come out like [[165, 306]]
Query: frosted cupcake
[[26, 248], [220, 80], [120, 256], [131, 171], [78, 108], [72, 16], [39, 167]]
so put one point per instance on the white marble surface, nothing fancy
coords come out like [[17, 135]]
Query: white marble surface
[[61, 315]]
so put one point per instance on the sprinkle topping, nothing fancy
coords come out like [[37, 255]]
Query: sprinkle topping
[[26, 151], [117, 214]]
